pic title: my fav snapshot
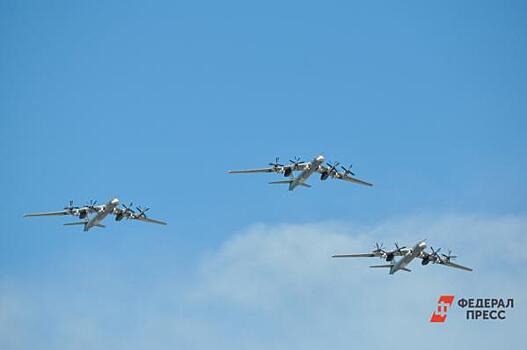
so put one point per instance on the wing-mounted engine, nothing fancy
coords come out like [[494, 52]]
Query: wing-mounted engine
[[82, 213], [398, 251], [347, 171], [447, 257], [288, 170], [433, 257], [330, 171], [126, 212], [277, 167]]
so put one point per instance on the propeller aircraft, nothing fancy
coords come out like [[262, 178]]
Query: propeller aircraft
[[407, 255], [306, 170], [100, 213]]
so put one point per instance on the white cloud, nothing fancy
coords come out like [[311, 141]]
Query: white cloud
[[286, 272], [275, 286]]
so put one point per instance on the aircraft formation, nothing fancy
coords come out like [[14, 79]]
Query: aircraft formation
[[92, 215]]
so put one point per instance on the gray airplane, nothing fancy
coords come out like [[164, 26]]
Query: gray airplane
[[306, 170], [407, 256], [101, 212]]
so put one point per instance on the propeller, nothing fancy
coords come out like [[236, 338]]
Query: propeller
[[333, 167], [142, 211], [347, 170], [378, 248], [449, 256], [128, 208], [70, 207], [297, 161], [91, 203], [276, 164], [398, 249], [435, 253]]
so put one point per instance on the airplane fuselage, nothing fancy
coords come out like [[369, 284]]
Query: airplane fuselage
[[408, 257], [307, 172], [101, 215]]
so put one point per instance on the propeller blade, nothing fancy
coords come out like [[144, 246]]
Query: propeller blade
[[296, 161], [348, 170], [276, 164]]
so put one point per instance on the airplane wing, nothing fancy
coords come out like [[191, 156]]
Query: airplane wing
[[117, 211], [260, 170], [425, 255], [322, 169], [51, 213], [95, 208], [398, 252], [299, 166], [352, 179], [146, 219], [456, 266], [360, 255]]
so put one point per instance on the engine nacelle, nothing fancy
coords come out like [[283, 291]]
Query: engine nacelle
[[287, 172], [119, 217], [324, 176], [389, 257], [83, 214], [425, 261]]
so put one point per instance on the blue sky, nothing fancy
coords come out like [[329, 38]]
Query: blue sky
[[154, 102]]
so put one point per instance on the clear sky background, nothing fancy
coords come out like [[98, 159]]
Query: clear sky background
[[154, 101]]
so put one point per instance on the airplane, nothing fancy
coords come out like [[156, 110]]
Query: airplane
[[407, 255], [306, 170], [101, 212]]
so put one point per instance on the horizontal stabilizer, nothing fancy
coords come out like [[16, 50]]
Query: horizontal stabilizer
[[405, 269], [381, 266], [305, 185], [76, 223], [100, 225], [284, 182]]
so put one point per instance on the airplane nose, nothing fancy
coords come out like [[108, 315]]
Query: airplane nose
[[320, 158], [115, 201]]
